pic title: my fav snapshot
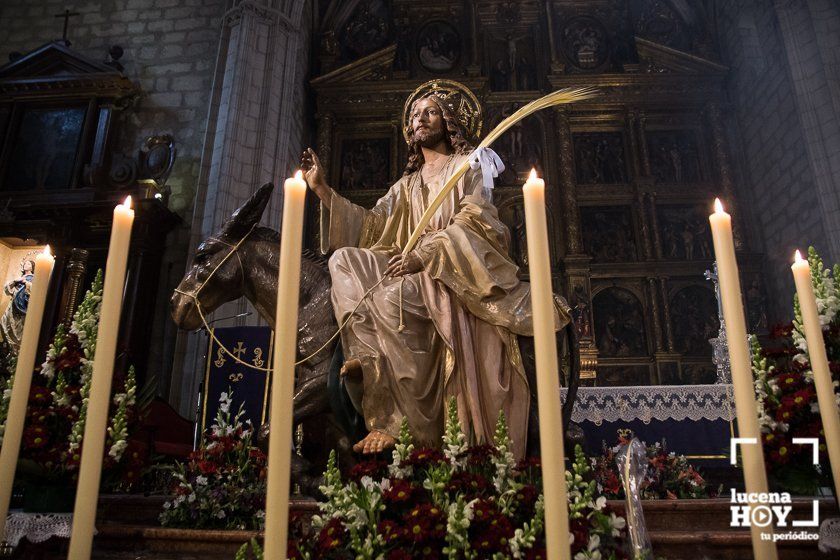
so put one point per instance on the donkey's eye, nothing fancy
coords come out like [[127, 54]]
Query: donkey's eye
[[201, 258]]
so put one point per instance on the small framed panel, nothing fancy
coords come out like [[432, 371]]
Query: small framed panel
[[684, 232], [620, 326], [599, 158], [438, 46], [45, 145], [608, 233], [694, 320], [674, 156], [364, 164]]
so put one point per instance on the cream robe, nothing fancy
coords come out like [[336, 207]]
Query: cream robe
[[462, 312]]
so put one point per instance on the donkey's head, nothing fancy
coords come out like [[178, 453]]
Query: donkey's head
[[218, 273]]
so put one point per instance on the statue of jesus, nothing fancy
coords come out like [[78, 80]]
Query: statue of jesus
[[445, 319]]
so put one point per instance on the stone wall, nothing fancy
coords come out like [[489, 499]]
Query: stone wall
[[170, 47], [784, 180]]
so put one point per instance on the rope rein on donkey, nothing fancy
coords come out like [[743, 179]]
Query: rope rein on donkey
[[233, 249]]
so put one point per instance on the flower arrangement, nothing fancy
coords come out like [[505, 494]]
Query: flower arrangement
[[668, 476], [457, 502], [57, 409], [223, 484], [784, 385]]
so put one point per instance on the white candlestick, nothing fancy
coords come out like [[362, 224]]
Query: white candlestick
[[819, 363], [96, 422], [283, 372], [22, 382], [548, 384], [755, 477]]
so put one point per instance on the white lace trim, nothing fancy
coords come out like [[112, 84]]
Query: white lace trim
[[37, 527], [654, 402]]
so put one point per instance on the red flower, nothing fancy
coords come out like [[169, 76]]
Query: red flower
[[399, 554], [373, 468], [257, 455], [581, 533], [207, 467], [423, 521], [68, 359], [527, 495], [331, 536], [492, 540], [400, 491], [390, 530], [35, 437], [468, 483], [483, 512], [39, 395], [528, 463], [425, 456], [417, 529]]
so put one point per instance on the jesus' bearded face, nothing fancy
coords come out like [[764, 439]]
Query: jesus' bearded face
[[427, 123]]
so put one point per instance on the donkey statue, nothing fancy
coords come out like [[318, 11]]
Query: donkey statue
[[241, 260]]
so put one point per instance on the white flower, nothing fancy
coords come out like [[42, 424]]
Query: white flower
[[221, 514], [617, 523], [191, 498], [201, 480]]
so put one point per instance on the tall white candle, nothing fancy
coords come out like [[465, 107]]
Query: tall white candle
[[755, 477], [283, 372], [22, 382], [93, 444], [548, 384], [819, 362]]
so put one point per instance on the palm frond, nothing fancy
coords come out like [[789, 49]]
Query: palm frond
[[559, 97]]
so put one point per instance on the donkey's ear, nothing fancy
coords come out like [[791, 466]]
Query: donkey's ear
[[249, 214]]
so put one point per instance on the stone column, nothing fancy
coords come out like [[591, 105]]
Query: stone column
[[812, 60], [252, 137], [571, 217]]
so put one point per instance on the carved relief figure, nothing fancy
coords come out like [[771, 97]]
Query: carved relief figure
[[364, 163], [685, 232], [694, 320], [521, 147], [608, 233], [584, 43], [599, 158], [674, 156], [619, 324], [439, 46]]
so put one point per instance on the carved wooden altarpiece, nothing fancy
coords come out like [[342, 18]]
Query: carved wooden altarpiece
[[630, 174]]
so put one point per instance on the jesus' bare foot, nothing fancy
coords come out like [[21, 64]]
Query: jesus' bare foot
[[352, 369], [374, 442]]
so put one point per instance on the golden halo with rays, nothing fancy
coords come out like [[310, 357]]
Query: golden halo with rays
[[457, 96]]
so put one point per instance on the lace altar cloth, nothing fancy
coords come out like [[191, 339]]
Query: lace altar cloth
[[37, 527], [653, 402]]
